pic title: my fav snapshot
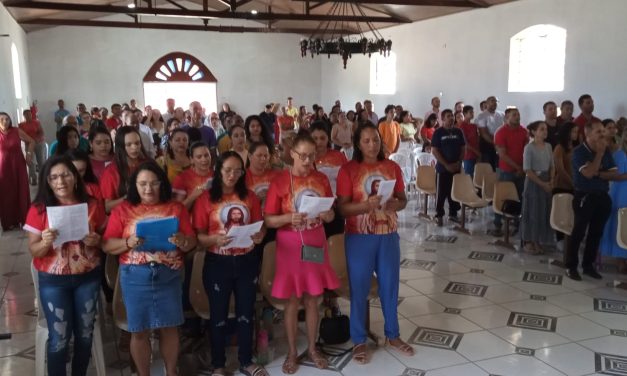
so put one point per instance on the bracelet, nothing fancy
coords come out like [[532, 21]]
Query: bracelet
[[126, 241]]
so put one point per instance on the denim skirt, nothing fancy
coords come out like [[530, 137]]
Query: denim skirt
[[152, 296]]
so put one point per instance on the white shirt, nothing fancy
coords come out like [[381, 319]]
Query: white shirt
[[489, 120], [145, 133]]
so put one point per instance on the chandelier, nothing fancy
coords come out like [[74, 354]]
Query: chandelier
[[342, 42]]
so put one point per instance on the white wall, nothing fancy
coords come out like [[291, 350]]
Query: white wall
[[465, 56], [8, 102], [100, 66]]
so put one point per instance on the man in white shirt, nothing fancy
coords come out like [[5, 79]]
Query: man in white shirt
[[372, 116], [488, 122], [435, 109], [169, 114]]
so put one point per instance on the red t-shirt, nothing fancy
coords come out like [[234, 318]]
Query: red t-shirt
[[33, 129], [581, 122], [471, 135], [113, 123], [219, 217], [358, 181], [122, 225], [280, 199], [188, 180], [71, 257], [427, 133], [260, 183], [110, 180], [332, 158], [99, 166], [514, 141]]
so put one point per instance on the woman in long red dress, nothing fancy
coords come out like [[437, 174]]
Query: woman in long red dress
[[15, 199]]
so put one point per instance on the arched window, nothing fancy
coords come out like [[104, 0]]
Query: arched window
[[536, 59], [17, 77], [182, 77], [383, 74]]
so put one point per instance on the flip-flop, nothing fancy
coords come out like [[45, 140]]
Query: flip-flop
[[361, 354], [318, 359], [403, 348], [257, 370], [290, 365]]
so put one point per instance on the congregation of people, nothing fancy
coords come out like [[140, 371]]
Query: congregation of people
[[214, 171]]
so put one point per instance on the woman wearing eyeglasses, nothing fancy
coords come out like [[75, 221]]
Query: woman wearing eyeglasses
[[150, 278], [302, 261], [69, 273], [372, 241], [229, 270]]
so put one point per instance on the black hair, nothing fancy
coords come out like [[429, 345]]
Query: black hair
[[467, 108], [532, 127], [168, 148], [429, 119], [357, 154], [165, 189], [448, 110], [254, 146], [230, 130], [121, 158], [45, 195], [169, 123], [265, 137], [547, 104], [583, 98], [215, 192], [79, 155], [303, 136], [198, 144], [511, 109], [389, 108], [349, 111], [567, 103], [99, 129], [320, 126], [26, 111], [62, 135], [115, 105], [403, 114], [607, 121], [563, 135]]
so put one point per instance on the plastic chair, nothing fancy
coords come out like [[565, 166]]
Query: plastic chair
[[621, 231], [562, 219], [426, 159], [337, 259], [197, 293], [487, 187], [266, 278], [41, 337], [464, 193], [404, 162], [111, 270], [426, 184], [504, 190], [119, 310], [481, 169]]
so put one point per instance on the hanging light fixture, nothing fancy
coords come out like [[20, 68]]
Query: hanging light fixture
[[341, 43]]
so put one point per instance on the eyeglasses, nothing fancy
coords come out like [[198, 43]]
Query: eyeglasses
[[235, 172], [303, 157], [152, 184], [63, 176]]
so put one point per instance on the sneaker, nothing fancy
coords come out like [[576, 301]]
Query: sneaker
[[453, 218], [573, 274], [592, 273], [439, 221]]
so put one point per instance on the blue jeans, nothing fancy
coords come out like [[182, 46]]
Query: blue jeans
[[519, 182], [469, 166], [224, 276], [365, 255], [69, 303]]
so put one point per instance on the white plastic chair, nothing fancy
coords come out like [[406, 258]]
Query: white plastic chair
[[621, 231], [404, 162], [426, 159], [41, 337]]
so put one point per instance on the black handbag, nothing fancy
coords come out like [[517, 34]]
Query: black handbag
[[511, 208], [334, 330]]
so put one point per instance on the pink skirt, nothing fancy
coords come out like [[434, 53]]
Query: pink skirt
[[295, 277]]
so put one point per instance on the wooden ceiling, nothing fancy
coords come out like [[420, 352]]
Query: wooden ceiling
[[307, 17]]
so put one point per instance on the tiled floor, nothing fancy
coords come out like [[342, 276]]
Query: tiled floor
[[469, 308]]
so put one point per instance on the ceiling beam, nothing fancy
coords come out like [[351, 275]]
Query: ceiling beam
[[164, 26], [189, 13], [173, 3], [435, 3]]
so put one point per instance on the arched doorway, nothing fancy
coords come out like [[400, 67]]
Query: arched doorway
[[182, 77]]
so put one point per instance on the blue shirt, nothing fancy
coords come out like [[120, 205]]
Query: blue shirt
[[207, 134], [449, 142], [59, 115], [582, 156]]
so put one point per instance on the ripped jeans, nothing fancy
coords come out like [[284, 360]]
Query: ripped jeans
[[222, 277], [69, 303]]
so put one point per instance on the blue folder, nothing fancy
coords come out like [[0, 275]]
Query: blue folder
[[155, 233]]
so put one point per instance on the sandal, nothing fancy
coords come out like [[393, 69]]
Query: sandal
[[318, 359], [218, 372], [254, 370], [401, 347], [290, 365], [361, 354]]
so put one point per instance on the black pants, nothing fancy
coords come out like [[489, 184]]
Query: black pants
[[560, 235], [222, 277], [444, 186], [488, 153], [592, 210]]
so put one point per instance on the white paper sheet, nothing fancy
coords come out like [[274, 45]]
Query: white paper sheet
[[242, 235], [313, 206], [70, 221], [331, 173], [386, 189]]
